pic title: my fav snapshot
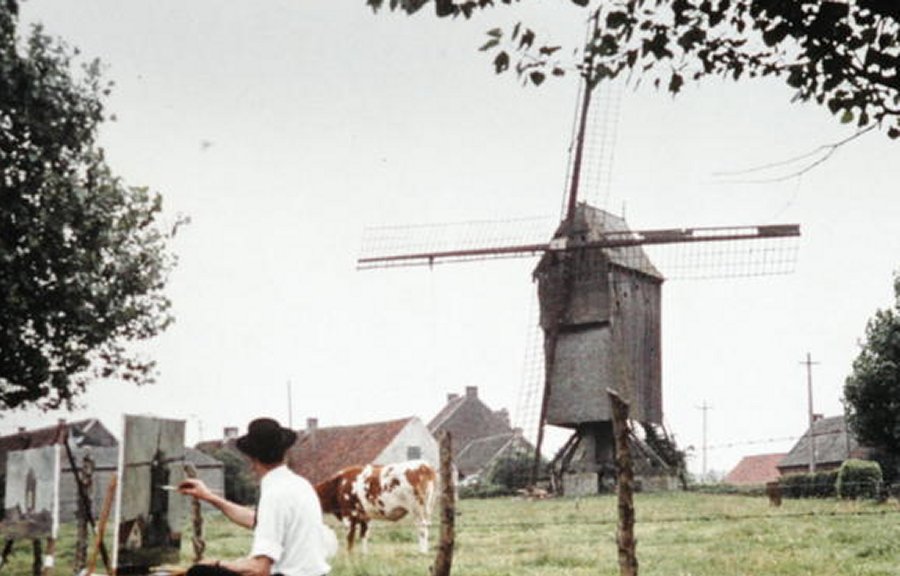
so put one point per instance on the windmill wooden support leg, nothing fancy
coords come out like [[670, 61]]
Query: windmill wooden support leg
[[196, 519], [628, 564], [444, 558]]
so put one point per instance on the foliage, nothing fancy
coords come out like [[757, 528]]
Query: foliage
[[513, 471], [819, 484], [872, 391], [859, 479], [83, 261], [843, 55], [240, 487]]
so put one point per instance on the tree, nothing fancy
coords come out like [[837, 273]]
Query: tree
[[83, 260], [841, 54], [872, 391]]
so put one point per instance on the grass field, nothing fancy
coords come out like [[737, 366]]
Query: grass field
[[679, 534]]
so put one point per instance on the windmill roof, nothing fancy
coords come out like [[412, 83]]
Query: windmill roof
[[601, 222], [756, 469], [833, 444], [319, 453]]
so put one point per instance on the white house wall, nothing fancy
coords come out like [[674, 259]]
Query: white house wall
[[415, 433]]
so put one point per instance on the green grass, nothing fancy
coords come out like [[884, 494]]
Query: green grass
[[678, 534]]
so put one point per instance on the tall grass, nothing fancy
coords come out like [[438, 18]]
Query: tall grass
[[678, 534]]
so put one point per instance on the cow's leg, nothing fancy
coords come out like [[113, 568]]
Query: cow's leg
[[351, 535], [364, 536], [422, 526]]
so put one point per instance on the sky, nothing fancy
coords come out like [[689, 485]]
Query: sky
[[283, 129]]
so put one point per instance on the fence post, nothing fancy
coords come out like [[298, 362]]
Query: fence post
[[628, 564], [86, 481], [197, 540], [448, 509]]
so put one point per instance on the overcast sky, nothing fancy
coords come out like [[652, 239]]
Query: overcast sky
[[284, 128]]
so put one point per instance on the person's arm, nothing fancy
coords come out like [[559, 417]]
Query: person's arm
[[240, 515], [254, 566]]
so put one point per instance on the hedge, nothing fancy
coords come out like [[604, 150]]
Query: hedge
[[859, 479]]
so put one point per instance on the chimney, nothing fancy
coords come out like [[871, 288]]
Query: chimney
[[517, 432], [451, 397], [312, 424], [230, 433], [471, 391], [22, 430]]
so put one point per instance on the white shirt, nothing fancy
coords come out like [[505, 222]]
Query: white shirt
[[289, 527]]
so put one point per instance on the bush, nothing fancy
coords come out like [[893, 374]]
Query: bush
[[240, 487], [859, 479], [484, 491], [815, 485]]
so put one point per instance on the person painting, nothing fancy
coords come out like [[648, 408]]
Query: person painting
[[289, 536]]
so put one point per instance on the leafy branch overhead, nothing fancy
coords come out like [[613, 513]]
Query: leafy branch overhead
[[841, 54]]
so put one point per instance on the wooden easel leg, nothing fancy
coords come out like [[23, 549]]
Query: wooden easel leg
[[101, 527], [7, 548], [49, 558], [38, 562]]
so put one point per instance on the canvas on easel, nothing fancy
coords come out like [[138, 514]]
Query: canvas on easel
[[149, 516], [31, 501]]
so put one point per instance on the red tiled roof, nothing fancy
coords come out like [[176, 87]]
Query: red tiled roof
[[318, 454], [757, 469]]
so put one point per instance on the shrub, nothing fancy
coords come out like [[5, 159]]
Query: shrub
[[859, 479], [815, 485]]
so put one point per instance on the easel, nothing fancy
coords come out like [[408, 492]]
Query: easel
[[42, 565], [98, 546]]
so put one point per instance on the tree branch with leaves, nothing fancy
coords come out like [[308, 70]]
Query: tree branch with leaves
[[843, 55]]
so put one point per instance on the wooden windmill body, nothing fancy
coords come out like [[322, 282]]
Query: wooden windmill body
[[600, 312], [600, 316]]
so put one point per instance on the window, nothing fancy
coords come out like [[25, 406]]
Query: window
[[413, 452]]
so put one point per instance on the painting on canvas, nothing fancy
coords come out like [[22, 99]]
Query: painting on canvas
[[149, 514], [31, 501]]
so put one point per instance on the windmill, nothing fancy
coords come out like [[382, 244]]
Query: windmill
[[599, 296]]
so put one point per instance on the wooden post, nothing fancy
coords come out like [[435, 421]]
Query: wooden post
[[86, 480], [196, 518], [7, 548], [448, 509], [101, 527], [49, 557], [38, 561], [628, 564]]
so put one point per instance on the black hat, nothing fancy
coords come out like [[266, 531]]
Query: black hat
[[266, 440]]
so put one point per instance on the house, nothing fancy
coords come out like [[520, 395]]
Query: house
[[481, 436], [88, 432], [755, 470], [833, 444], [320, 452], [479, 456]]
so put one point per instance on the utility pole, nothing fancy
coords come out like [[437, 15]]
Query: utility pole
[[290, 406], [705, 408], [812, 417]]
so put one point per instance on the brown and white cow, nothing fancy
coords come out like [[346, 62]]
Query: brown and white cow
[[359, 494]]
